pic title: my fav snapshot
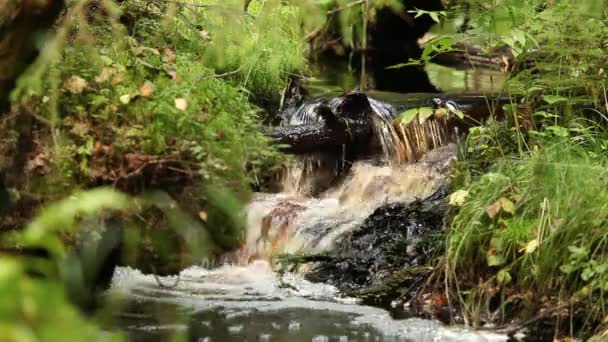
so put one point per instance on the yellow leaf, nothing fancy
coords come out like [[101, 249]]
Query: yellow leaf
[[181, 104], [203, 215], [457, 198], [125, 99], [531, 246], [506, 205]]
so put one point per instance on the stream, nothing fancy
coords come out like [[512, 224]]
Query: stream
[[246, 298]]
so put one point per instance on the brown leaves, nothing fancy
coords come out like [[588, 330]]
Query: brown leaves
[[172, 72], [503, 204], [146, 89], [75, 84], [40, 165], [167, 55]]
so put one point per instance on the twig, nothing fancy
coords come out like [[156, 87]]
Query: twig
[[160, 283], [347, 6], [515, 327]]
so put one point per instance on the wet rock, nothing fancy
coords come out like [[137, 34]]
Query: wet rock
[[395, 238]]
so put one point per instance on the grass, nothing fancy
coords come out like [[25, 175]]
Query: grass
[[534, 230]]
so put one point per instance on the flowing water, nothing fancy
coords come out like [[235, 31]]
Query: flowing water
[[247, 299]]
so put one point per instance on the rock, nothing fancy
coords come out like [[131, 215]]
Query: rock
[[395, 238]]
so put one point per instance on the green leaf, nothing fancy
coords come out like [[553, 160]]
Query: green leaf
[[503, 276], [459, 113], [496, 260], [559, 131], [434, 16], [407, 116], [425, 113], [553, 99], [507, 205]]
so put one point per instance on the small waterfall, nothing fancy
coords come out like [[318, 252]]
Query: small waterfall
[[418, 137], [312, 212], [292, 222]]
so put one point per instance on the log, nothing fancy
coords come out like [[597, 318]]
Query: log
[[333, 131], [347, 120], [466, 56]]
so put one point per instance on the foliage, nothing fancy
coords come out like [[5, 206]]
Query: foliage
[[261, 49], [529, 229], [34, 304], [354, 17], [138, 95]]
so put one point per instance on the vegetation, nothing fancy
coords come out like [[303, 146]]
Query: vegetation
[[161, 101], [528, 232]]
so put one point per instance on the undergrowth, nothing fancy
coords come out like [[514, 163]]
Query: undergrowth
[[153, 98], [529, 231]]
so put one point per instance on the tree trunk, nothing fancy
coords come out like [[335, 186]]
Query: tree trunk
[[20, 21]]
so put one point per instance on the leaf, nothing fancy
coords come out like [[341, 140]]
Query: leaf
[[503, 277], [441, 112], [105, 74], [457, 198], [559, 131], [425, 113], [125, 99], [117, 79], [553, 99], [434, 16], [493, 209], [181, 104], [507, 205], [146, 89], [531, 246], [76, 84], [496, 260], [203, 215], [459, 113], [407, 116], [502, 204]]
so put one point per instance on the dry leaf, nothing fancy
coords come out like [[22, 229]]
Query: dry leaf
[[75, 84], [171, 71], [181, 104], [203, 215], [105, 75], [168, 55], [494, 209], [146, 89], [117, 79], [531, 246], [204, 34], [503, 204]]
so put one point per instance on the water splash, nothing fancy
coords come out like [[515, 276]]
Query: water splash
[[296, 223]]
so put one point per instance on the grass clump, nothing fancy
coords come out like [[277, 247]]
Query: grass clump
[[533, 231], [258, 49]]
